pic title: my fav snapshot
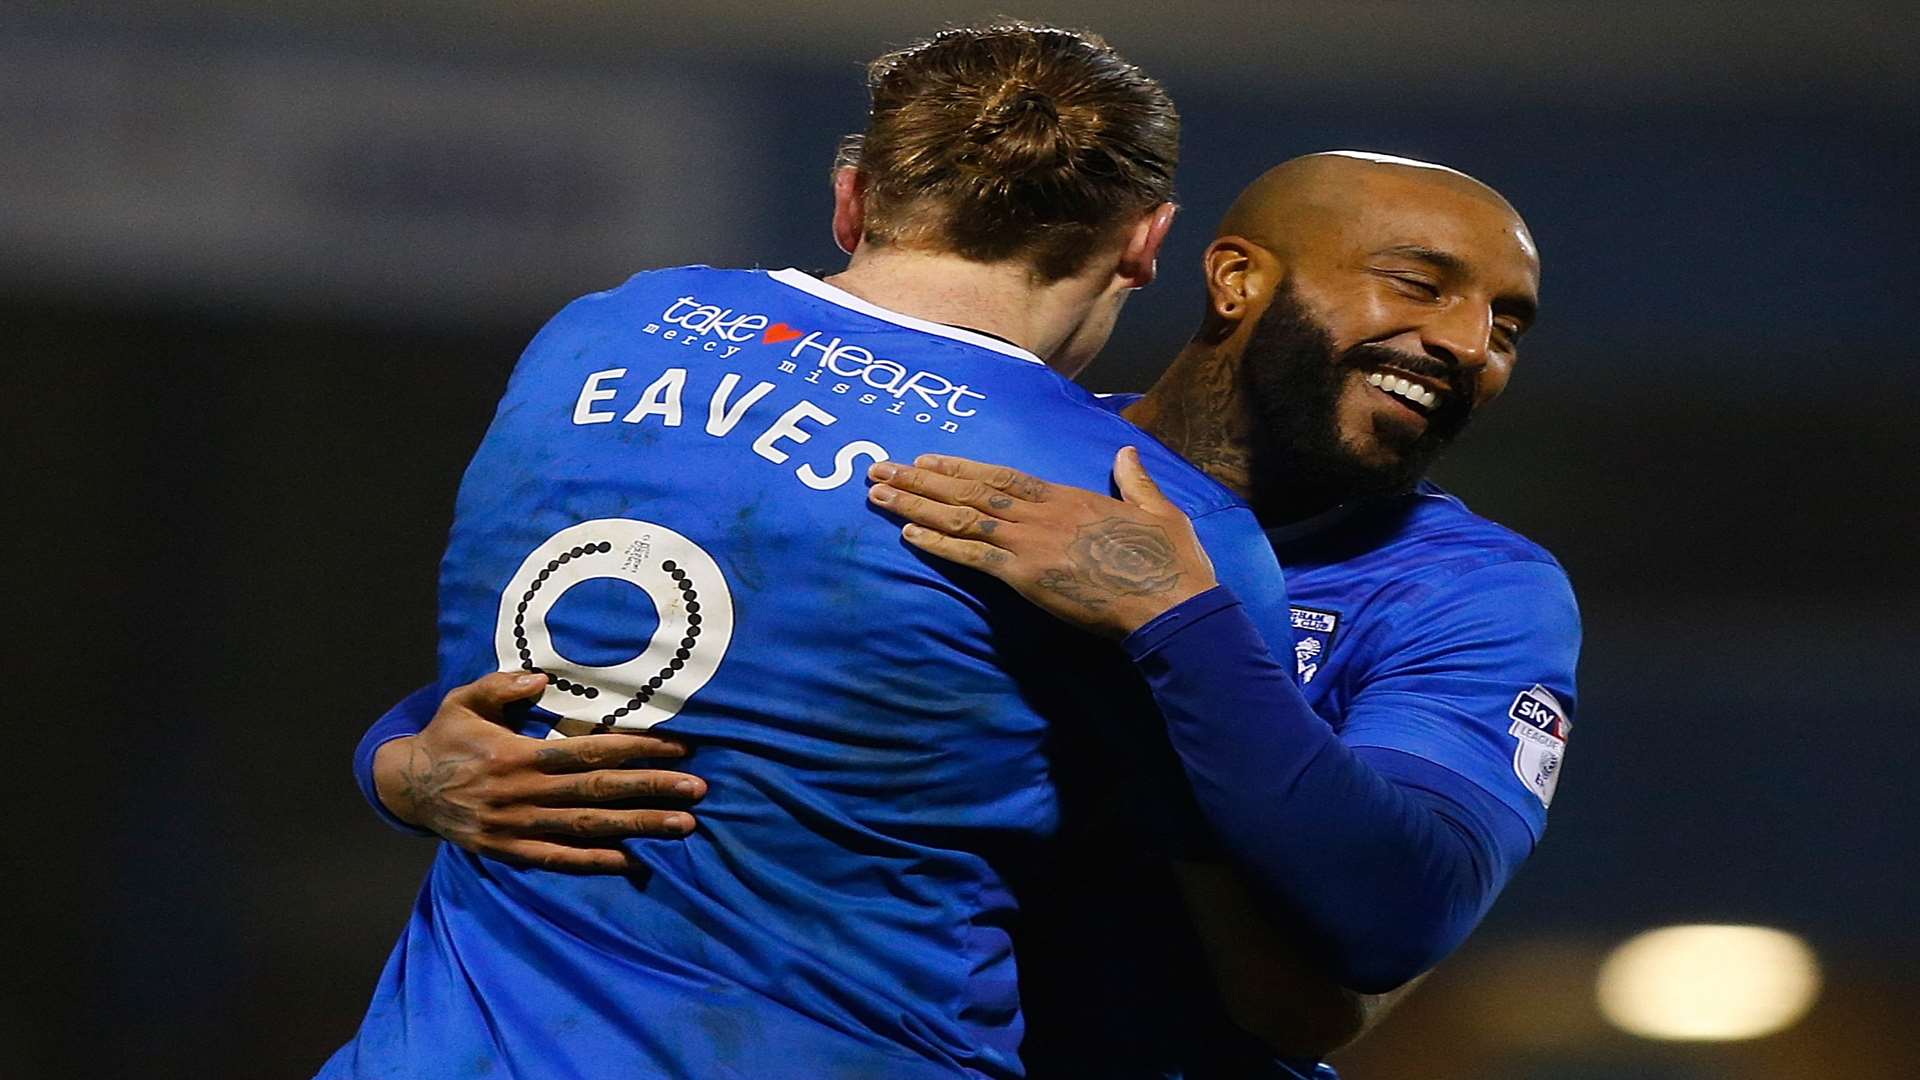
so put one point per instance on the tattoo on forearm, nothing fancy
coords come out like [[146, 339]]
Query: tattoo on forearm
[[424, 780]]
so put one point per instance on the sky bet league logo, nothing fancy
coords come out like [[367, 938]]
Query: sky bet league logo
[[1541, 727]]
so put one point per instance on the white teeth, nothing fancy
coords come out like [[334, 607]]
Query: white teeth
[[1406, 389], [1412, 391]]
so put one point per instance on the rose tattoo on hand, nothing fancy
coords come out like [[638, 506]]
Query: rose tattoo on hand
[[1126, 558]]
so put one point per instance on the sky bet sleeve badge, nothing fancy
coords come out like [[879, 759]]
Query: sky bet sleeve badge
[[1541, 726]]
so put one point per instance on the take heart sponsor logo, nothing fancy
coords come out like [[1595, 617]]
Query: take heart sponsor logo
[[895, 387]]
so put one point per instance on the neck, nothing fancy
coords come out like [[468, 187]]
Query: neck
[[1002, 299], [1199, 410]]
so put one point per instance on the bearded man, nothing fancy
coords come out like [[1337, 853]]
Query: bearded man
[[1363, 801], [1380, 785]]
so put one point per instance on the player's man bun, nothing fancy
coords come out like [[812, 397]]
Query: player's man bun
[[1012, 140], [1018, 130]]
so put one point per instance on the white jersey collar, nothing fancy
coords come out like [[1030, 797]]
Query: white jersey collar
[[813, 286]]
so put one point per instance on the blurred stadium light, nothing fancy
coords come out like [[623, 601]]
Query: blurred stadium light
[[1709, 983]]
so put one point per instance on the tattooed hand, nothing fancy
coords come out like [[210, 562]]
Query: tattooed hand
[[1107, 565], [530, 801]]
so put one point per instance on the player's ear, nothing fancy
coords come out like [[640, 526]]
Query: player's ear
[[849, 207], [1140, 259], [1240, 276]]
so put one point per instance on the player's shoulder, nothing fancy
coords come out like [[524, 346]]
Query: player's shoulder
[[1465, 561], [1444, 522], [1419, 551], [1184, 484], [1425, 533]]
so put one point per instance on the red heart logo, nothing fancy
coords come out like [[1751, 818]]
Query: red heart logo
[[778, 333]]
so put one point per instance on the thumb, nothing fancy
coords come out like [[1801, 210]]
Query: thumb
[[1135, 485], [490, 695]]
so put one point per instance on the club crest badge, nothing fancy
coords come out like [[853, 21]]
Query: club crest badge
[[1541, 727], [1313, 632]]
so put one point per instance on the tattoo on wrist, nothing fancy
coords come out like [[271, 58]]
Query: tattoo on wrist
[[424, 780]]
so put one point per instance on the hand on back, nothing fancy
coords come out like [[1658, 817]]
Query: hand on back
[[1105, 565], [552, 803]]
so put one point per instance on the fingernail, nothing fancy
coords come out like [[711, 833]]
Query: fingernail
[[679, 822], [913, 532], [687, 787], [883, 470], [881, 493], [927, 461], [521, 682]]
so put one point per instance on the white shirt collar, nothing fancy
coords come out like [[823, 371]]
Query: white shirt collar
[[813, 286]]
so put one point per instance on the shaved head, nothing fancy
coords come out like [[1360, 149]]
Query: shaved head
[[1333, 188]]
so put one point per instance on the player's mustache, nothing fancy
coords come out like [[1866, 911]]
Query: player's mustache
[[1367, 357]]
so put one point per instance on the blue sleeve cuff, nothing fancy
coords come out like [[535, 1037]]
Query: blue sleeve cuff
[[1143, 642], [409, 717]]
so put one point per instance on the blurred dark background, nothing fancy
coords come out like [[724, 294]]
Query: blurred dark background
[[264, 268]]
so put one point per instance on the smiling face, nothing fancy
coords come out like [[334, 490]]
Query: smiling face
[[1389, 304]]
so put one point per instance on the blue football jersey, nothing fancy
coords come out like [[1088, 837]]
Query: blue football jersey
[[668, 516], [1417, 627], [1421, 627], [1424, 628]]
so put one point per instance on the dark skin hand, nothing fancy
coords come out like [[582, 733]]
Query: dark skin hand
[[553, 803], [1106, 565]]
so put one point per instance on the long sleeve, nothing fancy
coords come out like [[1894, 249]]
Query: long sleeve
[[409, 717], [1387, 858]]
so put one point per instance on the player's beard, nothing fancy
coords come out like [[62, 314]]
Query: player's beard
[[1295, 377]]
